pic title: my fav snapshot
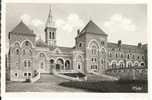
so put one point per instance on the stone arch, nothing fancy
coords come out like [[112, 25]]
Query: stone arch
[[16, 42], [129, 64], [60, 63], [142, 64], [121, 63], [67, 64], [136, 63], [113, 61], [93, 41], [22, 43]]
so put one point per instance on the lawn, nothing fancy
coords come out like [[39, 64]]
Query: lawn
[[102, 86]]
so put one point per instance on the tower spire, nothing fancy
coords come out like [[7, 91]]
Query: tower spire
[[50, 31], [50, 22]]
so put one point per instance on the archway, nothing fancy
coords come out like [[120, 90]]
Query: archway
[[60, 64], [67, 65], [52, 65]]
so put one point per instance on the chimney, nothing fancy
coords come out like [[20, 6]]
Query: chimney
[[78, 31], [139, 45], [119, 43]]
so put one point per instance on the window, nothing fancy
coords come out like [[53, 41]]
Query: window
[[29, 74], [142, 64], [133, 56], [136, 64], [25, 74], [17, 52], [142, 57], [92, 59], [138, 57], [80, 44], [94, 50], [129, 64], [16, 74], [29, 63], [26, 43], [50, 36], [116, 55], [114, 65], [110, 55], [121, 64], [78, 66], [102, 42], [25, 64], [121, 55], [42, 65], [95, 59], [128, 56], [53, 35]]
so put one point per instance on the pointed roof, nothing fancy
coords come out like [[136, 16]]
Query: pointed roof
[[49, 22], [22, 29], [91, 27]]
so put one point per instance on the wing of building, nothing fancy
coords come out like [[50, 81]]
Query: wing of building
[[91, 53]]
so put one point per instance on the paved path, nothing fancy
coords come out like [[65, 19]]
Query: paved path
[[47, 83]]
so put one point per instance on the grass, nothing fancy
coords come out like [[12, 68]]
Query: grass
[[103, 86]]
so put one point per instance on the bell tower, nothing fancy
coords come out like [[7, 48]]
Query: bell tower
[[50, 31]]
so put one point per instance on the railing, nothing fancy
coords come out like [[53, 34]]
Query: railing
[[35, 78], [66, 77]]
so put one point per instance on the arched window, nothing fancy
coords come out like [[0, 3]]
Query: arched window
[[27, 43], [50, 35], [42, 65], [29, 63], [114, 65], [129, 64], [142, 57], [102, 43], [136, 64], [80, 44], [110, 55], [128, 56], [94, 50], [67, 64], [116, 55], [53, 36], [142, 64], [25, 63], [121, 55], [17, 51], [121, 64]]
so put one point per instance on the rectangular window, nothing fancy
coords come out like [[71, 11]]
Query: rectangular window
[[50, 35], [29, 74], [25, 74]]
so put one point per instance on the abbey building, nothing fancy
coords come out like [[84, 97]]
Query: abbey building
[[92, 53]]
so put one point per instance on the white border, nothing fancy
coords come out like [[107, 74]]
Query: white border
[[75, 96]]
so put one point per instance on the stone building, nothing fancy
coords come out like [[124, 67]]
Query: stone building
[[92, 53]]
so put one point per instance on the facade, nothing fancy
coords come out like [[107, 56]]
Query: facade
[[92, 53]]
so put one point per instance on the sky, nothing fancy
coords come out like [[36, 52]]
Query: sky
[[126, 22]]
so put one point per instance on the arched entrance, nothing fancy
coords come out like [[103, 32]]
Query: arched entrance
[[67, 65], [59, 64], [52, 64]]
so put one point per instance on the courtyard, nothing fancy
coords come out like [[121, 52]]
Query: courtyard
[[47, 83], [51, 83]]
